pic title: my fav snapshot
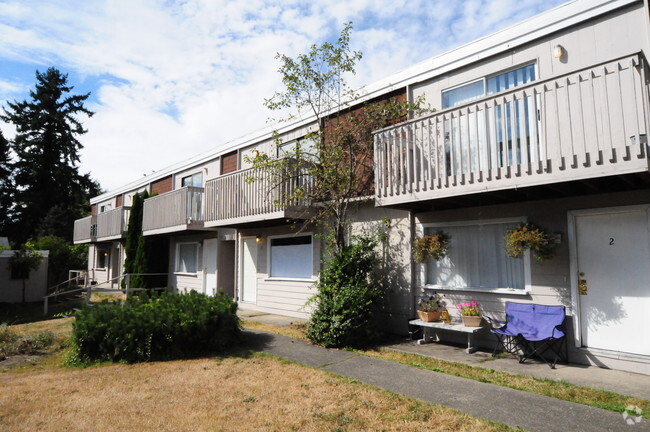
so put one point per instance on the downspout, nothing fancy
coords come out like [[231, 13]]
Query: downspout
[[412, 263]]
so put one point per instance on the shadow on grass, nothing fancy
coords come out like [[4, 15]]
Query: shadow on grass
[[23, 313]]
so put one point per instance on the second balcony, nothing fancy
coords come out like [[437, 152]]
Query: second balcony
[[178, 210]]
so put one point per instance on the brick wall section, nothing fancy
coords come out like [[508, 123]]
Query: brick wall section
[[365, 156], [93, 209], [161, 186], [229, 162], [118, 201]]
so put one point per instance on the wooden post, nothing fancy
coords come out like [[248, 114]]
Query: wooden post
[[127, 282], [45, 305]]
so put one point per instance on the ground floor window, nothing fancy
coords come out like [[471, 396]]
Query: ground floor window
[[476, 259], [102, 258], [187, 257], [291, 257]]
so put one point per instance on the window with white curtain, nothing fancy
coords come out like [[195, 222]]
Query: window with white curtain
[[291, 257], [187, 257], [476, 259]]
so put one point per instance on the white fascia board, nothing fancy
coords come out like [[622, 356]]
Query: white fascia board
[[558, 18]]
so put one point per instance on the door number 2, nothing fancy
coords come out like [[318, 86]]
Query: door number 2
[[611, 241]]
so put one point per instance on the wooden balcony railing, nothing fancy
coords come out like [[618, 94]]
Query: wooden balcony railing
[[586, 124], [178, 210], [113, 223], [85, 230], [234, 198]]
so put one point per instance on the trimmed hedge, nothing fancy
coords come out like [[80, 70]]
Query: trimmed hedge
[[162, 327]]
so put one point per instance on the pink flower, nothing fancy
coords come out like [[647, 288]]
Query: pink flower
[[459, 307], [474, 304]]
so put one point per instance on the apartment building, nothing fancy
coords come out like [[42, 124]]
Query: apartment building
[[544, 122]]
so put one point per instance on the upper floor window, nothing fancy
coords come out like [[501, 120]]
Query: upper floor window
[[487, 86], [105, 208], [195, 180]]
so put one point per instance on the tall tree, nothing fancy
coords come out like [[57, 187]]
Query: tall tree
[[50, 193], [335, 159], [6, 187]]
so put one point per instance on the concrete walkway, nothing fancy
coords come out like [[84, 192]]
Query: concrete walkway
[[512, 407]]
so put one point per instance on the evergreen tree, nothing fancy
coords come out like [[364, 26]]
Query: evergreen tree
[[46, 145], [6, 187], [134, 232]]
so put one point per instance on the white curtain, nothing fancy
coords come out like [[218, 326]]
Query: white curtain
[[187, 258], [291, 257], [476, 259]]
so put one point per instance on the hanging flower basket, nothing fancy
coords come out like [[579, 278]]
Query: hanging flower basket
[[433, 246], [531, 237]]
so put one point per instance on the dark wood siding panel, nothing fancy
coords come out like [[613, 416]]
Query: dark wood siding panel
[[229, 162], [365, 156], [118, 201], [161, 186], [93, 209]]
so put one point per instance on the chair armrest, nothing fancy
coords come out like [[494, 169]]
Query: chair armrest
[[492, 321]]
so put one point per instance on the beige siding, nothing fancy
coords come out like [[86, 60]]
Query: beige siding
[[268, 146], [593, 42], [283, 297], [210, 170], [395, 261], [183, 282]]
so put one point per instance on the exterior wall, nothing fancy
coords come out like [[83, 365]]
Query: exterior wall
[[128, 196], [187, 282], [551, 280], [395, 263], [11, 290], [282, 297], [114, 263], [229, 162], [210, 170], [268, 146], [161, 186], [111, 201], [93, 209], [596, 41], [119, 200]]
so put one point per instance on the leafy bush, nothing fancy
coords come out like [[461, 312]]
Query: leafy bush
[[168, 326], [63, 257], [347, 298]]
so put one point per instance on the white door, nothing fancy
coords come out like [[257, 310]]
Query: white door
[[613, 264], [210, 266], [248, 279]]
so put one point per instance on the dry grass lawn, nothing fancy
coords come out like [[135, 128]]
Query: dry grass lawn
[[258, 393]]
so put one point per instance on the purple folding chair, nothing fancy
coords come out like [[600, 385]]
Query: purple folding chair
[[531, 330]]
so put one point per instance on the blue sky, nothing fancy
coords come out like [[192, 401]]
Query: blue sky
[[171, 79]]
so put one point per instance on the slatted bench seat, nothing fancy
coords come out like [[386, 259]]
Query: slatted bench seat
[[427, 328]]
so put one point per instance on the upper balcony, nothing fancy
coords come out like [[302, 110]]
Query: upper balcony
[[178, 210], [249, 196], [85, 230], [584, 125], [112, 225]]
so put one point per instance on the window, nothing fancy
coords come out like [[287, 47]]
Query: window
[[195, 180], [105, 208], [102, 258], [307, 146], [476, 259], [187, 257], [488, 86], [291, 257]]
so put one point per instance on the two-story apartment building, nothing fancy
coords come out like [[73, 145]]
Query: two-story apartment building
[[544, 122]]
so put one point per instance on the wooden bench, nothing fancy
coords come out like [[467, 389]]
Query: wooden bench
[[439, 325]]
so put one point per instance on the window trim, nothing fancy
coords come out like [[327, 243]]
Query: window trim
[[191, 176], [178, 258], [484, 78], [106, 252], [512, 291], [268, 277]]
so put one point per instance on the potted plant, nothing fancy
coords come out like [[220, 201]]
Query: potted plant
[[470, 314], [532, 237], [433, 246], [429, 308]]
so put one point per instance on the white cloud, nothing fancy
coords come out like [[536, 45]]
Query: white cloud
[[213, 61]]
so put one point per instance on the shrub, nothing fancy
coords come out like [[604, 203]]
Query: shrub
[[434, 246], [158, 327], [13, 344], [347, 298]]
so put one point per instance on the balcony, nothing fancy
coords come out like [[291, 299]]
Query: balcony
[[233, 200], [112, 225], [85, 230], [584, 125], [178, 210]]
